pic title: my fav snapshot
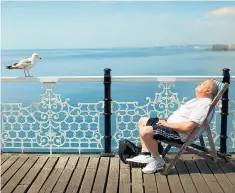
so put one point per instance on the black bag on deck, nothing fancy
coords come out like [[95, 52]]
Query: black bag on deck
[[128, 149]]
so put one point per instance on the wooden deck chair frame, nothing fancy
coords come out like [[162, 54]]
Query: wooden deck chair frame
[[193, 148]]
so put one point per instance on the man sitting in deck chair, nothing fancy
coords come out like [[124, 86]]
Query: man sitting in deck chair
[[188, 117]]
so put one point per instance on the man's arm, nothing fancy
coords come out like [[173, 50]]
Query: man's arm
[[179, 127]]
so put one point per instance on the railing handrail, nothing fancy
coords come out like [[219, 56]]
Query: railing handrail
[[51, 79]]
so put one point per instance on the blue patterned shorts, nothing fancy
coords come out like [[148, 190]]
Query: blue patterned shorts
[[162, 132]]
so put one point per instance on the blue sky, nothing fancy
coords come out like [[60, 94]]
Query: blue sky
[[115, 24]]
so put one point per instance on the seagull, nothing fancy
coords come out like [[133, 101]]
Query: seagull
[[25, 64]]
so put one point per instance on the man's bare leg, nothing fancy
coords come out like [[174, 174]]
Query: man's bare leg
[[145, 132], [155, 162], [146, 135], [141, 125]]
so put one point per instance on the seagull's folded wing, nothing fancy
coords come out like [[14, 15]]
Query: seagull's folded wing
[[24, 63]]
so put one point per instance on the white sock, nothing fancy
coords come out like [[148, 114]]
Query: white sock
[[157, 157], [146, 151]]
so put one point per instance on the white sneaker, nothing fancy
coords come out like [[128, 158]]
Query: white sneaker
[[154, 165], [142, 158]]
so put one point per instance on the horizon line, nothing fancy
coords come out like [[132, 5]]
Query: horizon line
[[119, 47]]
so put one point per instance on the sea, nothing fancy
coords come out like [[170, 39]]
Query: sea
[[153, 61]]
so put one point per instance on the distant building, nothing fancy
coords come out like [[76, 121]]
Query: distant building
[[220, 47], [231, 46], [223, 47]]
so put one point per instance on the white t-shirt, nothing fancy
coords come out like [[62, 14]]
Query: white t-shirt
[[195, 110]]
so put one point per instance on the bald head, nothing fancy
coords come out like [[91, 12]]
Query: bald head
[[207, 88], [214, 88]]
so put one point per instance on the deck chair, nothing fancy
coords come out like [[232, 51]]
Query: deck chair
[[190, 147]]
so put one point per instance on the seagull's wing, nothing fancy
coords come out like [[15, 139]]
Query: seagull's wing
[[24, 63]]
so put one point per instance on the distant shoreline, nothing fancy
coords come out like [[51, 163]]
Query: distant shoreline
[[214, 47]]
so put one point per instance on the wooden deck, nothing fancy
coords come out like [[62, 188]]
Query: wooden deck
[[90, 173]]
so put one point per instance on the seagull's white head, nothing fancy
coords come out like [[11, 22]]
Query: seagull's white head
[[35, 55]]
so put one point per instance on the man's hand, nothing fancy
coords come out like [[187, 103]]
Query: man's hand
[[162, 122], [179, 127]]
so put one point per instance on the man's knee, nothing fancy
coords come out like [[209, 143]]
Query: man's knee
[[142, 122], [146, 131]]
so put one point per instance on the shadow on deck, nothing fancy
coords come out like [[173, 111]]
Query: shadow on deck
[[91, 173]]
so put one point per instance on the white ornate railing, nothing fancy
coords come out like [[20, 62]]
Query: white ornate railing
[[114, 79], [54, 125]]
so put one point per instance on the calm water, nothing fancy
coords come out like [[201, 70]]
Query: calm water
[[89, 62]]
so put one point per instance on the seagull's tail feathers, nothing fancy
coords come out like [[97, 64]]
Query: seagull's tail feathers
[[9, 67], [13, 66]]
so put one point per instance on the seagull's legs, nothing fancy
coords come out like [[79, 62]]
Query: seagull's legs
[[25, 73], [29, 74]]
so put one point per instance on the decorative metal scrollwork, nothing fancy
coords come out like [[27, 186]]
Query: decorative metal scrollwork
[[52, 123]]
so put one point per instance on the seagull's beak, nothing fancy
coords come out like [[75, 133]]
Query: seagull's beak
[[39, 57]]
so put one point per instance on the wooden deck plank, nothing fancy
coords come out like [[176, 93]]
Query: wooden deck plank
[[228, 171], [124, 179], [77, 176], [10, 186], [137, 180], [185, 178], [162, 183], [101, 176], [195, 174], [65, 176], [3, 159], [54, 176], [208, 176], [89, 175], [221, 177], [174, 181], [8, 163], [12, 170], [42, 176], [33, 172], [21, 189], [149, 183], [113, 177]]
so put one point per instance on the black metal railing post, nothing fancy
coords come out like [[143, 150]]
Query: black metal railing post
[[224, 113], [107, 113]]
